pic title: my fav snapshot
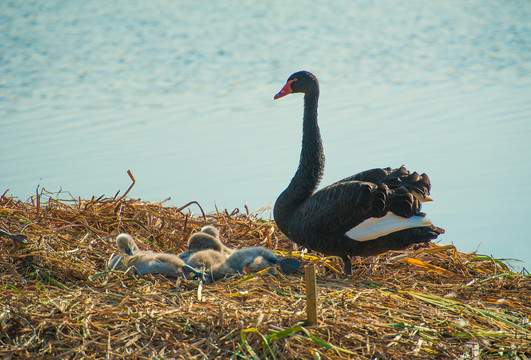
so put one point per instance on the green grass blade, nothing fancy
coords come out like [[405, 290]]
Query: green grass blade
[[288, 332], [246, 345]]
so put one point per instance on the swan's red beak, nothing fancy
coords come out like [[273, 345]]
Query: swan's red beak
[[285, 90]]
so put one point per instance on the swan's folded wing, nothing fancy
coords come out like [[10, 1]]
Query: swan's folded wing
[[340, 207], [376, 176], [418, 185]]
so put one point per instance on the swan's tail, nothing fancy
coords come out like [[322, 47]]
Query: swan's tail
[[418, 185]]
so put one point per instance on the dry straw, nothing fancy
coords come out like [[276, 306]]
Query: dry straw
[[58, 300]]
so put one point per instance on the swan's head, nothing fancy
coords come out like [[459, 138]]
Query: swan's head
[[255, 258], [300, 82], [211, 230], [203, 241], [126, 244]]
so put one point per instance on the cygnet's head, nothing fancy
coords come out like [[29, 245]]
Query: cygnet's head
[[255, 258], [203, 241], [211, 230], [126, 244]]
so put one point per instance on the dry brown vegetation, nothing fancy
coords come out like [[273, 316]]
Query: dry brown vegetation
[[57, 300]]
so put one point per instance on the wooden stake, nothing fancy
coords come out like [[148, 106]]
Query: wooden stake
[[311, 294]]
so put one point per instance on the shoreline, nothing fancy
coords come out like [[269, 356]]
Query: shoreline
[[59, 300]]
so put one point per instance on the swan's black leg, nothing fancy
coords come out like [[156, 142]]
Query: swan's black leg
[[347, 265]]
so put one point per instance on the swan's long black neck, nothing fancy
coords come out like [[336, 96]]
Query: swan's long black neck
[[311, 165]]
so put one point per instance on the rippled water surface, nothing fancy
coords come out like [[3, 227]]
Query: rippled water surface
[[181, 93]]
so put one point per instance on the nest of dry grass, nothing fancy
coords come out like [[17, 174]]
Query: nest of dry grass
[[58, 300]]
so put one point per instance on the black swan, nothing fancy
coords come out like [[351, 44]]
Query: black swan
[[366, 214], [144, 262]]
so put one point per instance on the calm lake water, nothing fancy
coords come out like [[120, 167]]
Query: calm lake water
[[181, 93]]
